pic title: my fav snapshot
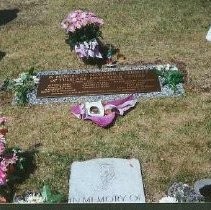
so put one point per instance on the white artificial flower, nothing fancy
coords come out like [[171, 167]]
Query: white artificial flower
[[174, 68], [23, 75], [29, 198], [19, 81], [34, 198], [86, 44], [36, 80], [168, 67], [159, 67], [168, 199], [20, 201]]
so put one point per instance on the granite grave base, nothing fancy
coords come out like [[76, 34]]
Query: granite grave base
[[36, 97]]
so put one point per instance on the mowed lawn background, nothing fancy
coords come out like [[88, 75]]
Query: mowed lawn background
[[171, 137]]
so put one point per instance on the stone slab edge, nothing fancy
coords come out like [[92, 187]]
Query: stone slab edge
[[165, 90], [136, 161]]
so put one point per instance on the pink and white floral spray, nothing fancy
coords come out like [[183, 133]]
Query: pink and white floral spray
[[6, 158], [83, 28]]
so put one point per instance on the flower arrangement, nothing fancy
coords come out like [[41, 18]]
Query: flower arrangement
[[171, 76], [13, 164], [7, 159], [181, 193], [29, 198], [83, 28], [44, 196], [184, 193], [21, 86]]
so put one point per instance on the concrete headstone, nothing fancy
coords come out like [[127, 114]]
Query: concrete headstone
[[106, 180]]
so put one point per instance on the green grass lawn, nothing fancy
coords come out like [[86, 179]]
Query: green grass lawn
[[171, 137]]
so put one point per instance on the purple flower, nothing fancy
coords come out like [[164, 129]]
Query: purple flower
[[88, 49]]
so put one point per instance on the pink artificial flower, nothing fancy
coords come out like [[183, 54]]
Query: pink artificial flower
[[71, 29], [11, 159], [3, 165], [3, 177], [2, 138], [93, 20], [84, 22], [84, 15], [5, 162], [2, 147], [74, 20], [78, 25], [77, 19], [2, 120], [3, 173], [72, 15], [64, 24]]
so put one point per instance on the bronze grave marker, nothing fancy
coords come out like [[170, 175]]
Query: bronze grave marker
[[97, 83]]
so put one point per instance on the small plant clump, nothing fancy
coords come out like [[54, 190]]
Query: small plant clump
[[171, 75], [25, 83], [184, 193], [44, 196]]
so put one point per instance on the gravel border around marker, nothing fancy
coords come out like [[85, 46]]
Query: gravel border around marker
[[165, 90]]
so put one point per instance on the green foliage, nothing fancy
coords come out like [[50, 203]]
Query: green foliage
[[83, 34], [22, 86], [49, 197], [24, 166], [171, 78]]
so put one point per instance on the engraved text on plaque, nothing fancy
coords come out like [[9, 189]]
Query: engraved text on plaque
[[96, 83]]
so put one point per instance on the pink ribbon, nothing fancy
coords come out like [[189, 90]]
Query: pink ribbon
[[113, 108]]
